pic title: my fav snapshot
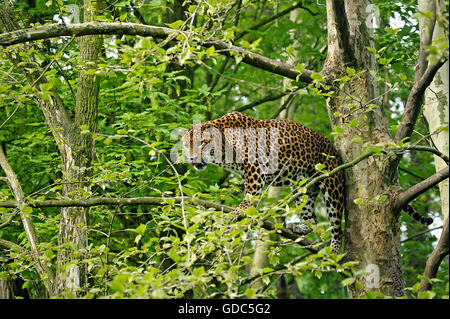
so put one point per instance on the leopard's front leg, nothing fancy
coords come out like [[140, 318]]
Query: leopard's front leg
[[254, 183]]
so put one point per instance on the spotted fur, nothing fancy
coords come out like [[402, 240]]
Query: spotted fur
[[299, 149]]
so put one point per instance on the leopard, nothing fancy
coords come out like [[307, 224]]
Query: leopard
[[275, 152]]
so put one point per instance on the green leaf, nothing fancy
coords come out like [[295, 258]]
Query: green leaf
[[27, 210], [266, 270], [338, 130], [141, 229], [198, 272], [210, 50], [249, 292], [90, 72], [319, 166], [251, 211], [290, 50], [427, 14], [348, 281], [49, 254], [300, 67], [352, 124], [169, 201], [317, 77], [426, 294], [173, 254], [357, 140], [175, 25], [350, 71]]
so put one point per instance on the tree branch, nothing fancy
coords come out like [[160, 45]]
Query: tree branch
[[90, 28], [340, 51], [415, 101], [274, 17], [285, 232], [263, 100], [14, 246], [429, 149], [53, 109], [28, 225], [261, 62], [115, 201], [410, 194], [333, 172], [435, 259]]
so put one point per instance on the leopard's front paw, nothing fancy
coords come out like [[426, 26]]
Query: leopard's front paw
[[301, 229]]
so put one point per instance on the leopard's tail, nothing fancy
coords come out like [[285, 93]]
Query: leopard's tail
[[412, 212]]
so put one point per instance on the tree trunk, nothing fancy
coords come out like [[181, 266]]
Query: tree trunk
[[372, 228], [436, 107], [76, 149], [77, 157]]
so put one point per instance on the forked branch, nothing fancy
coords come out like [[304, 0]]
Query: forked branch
[[415, 101]]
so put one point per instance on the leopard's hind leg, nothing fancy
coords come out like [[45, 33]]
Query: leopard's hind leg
[[333, 190]]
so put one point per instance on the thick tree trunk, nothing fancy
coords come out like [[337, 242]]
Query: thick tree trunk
[[76, 149], [77, 156], [372, 234]]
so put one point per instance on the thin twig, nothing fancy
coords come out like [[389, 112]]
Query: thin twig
[[12, 114]]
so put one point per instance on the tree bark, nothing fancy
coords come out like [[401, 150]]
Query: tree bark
[[436, 107], [76, 149], [78, 154], [372, 232]]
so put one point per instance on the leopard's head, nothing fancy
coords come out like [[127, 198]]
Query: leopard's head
[[202, 144]]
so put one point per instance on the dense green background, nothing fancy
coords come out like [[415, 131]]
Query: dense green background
[[142, 251]]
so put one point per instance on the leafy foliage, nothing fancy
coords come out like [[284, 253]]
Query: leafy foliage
[[149, 88]]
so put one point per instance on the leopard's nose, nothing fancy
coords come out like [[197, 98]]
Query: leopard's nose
[[193, 160]]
